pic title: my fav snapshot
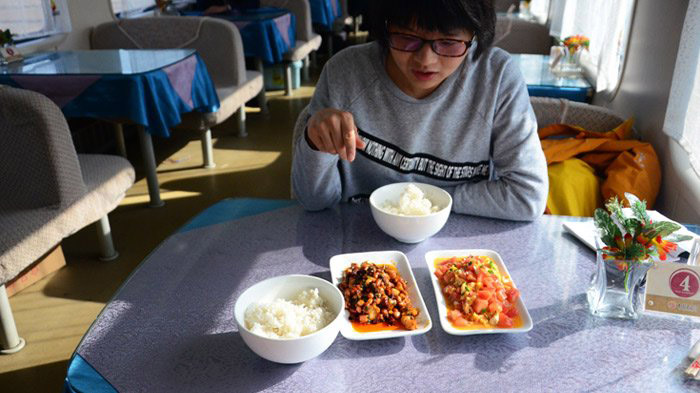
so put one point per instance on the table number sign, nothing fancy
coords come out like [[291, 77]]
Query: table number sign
[[9, 54], [673, 288]]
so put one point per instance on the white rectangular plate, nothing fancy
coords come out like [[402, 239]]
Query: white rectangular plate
[[339, 263], [585, 231], [430, 257]]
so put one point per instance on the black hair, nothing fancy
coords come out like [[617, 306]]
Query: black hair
[[445, 16]]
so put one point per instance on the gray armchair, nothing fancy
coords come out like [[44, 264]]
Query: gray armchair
[[219, 44], [49, 191], [517, 35], [561, 111]]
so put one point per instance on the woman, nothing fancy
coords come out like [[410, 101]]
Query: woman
[[430, 102]]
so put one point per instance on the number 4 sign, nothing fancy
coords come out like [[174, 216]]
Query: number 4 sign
[[10, 54], [673, 288]]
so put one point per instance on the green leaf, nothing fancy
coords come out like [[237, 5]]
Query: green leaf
[[660, 228], [615, 208], [678, 238], [639, 208], [607, 227], [635, 251]]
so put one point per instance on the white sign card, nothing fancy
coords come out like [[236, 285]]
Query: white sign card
[[673, 288], [10, 54]]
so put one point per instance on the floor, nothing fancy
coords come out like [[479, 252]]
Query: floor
[[53, 314]]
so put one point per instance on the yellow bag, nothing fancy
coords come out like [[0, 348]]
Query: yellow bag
[[574, 189], [624, 164]]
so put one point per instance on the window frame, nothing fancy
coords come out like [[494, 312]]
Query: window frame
[[61, 26]]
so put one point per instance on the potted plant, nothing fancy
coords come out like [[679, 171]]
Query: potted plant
[[575, 43], [6, 38], [628, 244]]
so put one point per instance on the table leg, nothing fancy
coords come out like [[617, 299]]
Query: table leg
[[149, 161], [288, 79], [207, 150], [262, 99], [104, 238], [119, 135], [241, 122], [329, 44], [314, 59], [305, 69], [10, 341]]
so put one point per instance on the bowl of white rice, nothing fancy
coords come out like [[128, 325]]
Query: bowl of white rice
[[410, 212], [289, 319]]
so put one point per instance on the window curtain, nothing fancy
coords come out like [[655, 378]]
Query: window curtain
[[129, 7], [682, 121], [538, 9], [607, 24], [29, 19]]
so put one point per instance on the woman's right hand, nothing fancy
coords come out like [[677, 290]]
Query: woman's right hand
[[333, 131]]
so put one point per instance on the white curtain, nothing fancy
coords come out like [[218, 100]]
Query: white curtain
[[682, 121], [34, 18], [539, 9], [128, 7], [607, 24]]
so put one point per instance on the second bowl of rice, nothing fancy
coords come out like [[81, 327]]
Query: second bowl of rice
[[289, 319]]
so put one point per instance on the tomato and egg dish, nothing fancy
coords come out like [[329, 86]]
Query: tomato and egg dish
[[476, 293], [377, 298]]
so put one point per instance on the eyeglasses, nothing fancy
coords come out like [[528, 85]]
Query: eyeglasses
[[442, 47]]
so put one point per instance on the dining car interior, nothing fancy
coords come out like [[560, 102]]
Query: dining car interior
[[349, 195]]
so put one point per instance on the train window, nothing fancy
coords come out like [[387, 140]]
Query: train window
[[33, 19], [129, 8], [538, 9], [607, 24], [682, 121]]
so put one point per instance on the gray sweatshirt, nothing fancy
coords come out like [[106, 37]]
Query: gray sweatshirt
[[474, 136]]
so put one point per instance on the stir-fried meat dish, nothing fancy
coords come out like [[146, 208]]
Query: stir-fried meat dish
[[377, 293]]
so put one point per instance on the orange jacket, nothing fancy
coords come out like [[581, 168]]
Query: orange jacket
[[626, 165]]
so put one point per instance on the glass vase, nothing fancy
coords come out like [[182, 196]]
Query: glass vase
[[616, 288], [568, 63]]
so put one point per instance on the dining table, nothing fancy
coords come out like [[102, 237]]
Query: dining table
[[170, 327], [543, 82], [267, 32], [151, 89], [325, 12]]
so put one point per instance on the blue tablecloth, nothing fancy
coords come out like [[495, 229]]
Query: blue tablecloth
[[267, 33], [156, 99], [325, 12]]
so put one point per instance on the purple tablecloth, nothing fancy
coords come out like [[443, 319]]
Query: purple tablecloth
[[171, 326]]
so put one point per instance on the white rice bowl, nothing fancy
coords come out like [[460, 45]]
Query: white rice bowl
[[412, 202], [278, 317], [281, 318]]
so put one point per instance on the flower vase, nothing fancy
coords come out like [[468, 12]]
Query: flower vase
[[616, 288], [565, 61]]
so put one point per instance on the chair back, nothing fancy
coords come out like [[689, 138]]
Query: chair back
[[38, 163], [522, 36], [561, 111], [217, 41], [302, 13]]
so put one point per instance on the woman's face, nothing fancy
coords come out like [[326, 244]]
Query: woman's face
[[419, 73]]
